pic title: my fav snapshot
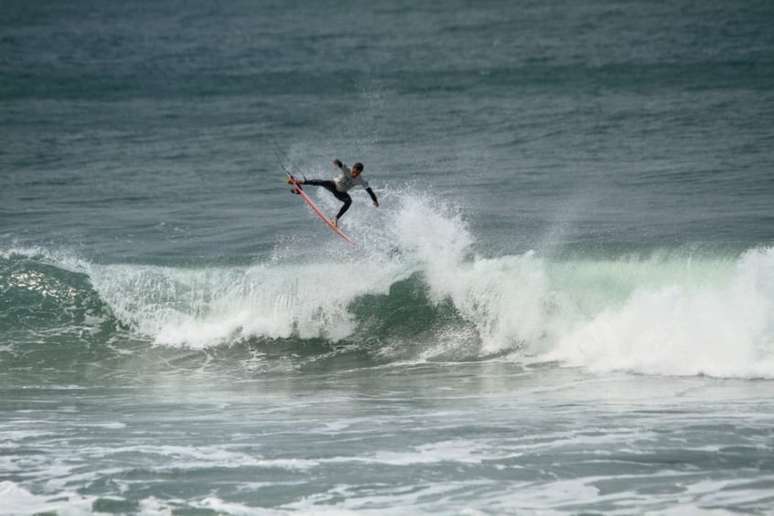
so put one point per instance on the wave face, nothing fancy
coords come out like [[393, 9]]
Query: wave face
[[415, 291]]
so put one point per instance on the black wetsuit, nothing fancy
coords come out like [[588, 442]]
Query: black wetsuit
[[331, 187]]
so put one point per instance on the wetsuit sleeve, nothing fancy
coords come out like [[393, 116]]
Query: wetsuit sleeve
[[372, 195]]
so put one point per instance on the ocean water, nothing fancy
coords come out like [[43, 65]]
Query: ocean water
[[563, 305]]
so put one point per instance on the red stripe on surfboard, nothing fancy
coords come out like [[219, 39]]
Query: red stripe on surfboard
[[317, 210]]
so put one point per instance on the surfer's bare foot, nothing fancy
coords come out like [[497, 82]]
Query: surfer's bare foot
[[335, 222]]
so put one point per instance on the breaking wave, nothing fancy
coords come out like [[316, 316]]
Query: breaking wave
[[418, 287]]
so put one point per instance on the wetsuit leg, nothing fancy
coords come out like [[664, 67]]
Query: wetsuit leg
[[331, 187], [327, 184], [342, 196]]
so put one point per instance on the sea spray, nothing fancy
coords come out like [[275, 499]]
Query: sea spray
[[504, 298]]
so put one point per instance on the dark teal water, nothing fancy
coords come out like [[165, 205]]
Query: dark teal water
[[564, 304]]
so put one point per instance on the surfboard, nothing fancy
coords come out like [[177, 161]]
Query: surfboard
[[308, 200]]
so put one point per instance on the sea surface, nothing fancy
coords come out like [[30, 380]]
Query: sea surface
[[563, 305]]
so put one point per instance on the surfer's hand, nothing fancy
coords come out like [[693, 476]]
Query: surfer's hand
[[376, 204], [338, 163]]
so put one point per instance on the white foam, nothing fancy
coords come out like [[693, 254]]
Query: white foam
[[198, 308], [221, 507], [18, 501], [724, 330], [115, 425], [461, 451], [500, 296], [152, 506], [195, 457], [423, 498], [667, 314]]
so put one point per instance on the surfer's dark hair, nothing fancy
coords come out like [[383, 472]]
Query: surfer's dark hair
[[358, 166]]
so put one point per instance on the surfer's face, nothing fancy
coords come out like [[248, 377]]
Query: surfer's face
[[356, 172]]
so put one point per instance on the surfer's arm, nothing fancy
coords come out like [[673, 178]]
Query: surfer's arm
[[373, 196], [341, 166]]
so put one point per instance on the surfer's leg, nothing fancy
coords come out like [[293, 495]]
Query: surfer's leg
[[331, 187], [327, 184], [347, 202]]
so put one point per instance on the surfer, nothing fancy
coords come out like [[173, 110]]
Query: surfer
[[341, 184]]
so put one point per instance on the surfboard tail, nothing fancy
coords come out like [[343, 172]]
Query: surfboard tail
[[293, 181]]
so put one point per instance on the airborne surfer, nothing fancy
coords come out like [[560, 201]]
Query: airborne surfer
[[341, 184]]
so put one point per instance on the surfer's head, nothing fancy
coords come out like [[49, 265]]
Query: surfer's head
[[357, 169]]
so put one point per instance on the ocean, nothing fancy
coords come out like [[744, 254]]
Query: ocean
[[564, 303]]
